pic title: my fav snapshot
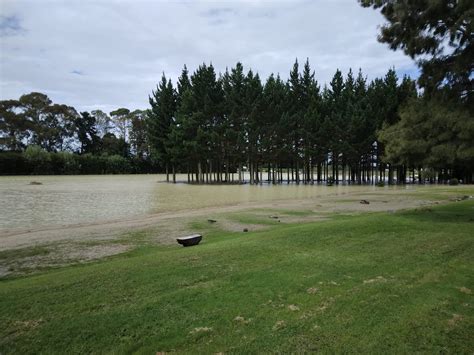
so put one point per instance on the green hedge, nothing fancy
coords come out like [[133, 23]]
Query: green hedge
[[36, 161]]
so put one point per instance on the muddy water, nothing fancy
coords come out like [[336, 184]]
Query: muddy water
[[64, 200]]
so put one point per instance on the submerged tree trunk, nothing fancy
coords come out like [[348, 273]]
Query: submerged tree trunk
[[199, 174]]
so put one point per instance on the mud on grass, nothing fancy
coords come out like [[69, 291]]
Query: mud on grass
[[30, 260]]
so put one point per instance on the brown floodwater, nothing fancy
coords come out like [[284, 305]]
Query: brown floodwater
[[64, 200]]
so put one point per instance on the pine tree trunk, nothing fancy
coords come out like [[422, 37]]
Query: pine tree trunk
[[210, 171], [199, 175], [227, 171], [297, 172]]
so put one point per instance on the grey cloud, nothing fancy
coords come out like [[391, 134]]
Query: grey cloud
[[220, 11], [124, 46], [10, 26]]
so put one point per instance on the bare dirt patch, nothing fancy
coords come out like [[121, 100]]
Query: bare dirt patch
[[242, 320], [454, 321], [60, 255], [279, 325], [5, 271], [201, 330], [376, 279]]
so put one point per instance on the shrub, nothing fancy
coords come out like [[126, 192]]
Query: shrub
[[13, 163], [91, 164], [428, 174], [39, 159], [116, 164], [66, 163], [453, 181]]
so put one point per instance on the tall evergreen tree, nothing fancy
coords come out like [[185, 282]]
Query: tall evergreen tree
[[86, 133], [439, 35], [160, 121], [233, 85]]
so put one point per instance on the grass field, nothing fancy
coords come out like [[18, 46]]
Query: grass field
[[372, 283]]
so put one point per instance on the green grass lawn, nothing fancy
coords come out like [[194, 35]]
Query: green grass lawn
[[372, 283]]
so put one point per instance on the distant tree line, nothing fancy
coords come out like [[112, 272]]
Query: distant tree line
[[229, 127], [226, 127], [39, 137]]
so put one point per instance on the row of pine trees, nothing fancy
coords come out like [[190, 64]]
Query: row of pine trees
[[216, 127]]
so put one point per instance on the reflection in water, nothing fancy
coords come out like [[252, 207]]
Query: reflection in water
[[63, 200]]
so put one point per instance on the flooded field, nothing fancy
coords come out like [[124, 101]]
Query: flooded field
[[65, 200], [59, 220]]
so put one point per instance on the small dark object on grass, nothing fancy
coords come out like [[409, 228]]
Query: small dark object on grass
[[36, 183], [246, 230], [275, 217], [364, 202], [190, 240], [211, 220]]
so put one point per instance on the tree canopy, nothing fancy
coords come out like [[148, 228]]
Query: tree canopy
[[439, 34]]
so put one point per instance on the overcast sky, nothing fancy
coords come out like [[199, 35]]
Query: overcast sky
[[106, 54]]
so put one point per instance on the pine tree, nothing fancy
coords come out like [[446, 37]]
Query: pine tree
[[233, 85], [86, 133], [160, 121]]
